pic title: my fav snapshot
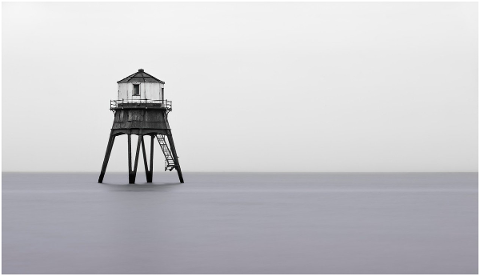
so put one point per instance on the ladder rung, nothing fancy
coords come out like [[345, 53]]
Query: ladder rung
[[169, 160]]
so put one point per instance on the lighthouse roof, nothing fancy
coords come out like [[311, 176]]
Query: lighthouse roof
[[140, 76]]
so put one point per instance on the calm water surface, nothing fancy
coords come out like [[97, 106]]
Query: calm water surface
[[241, 223]]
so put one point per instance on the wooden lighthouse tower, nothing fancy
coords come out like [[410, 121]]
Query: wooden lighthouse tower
[[142, 110]]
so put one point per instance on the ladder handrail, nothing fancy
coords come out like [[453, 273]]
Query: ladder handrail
[[169, 161]]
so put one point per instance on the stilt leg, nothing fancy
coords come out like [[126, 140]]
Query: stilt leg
[[130, 159], [133, 173], [147, 171], [151, 155], [107, 157], [175, 157]]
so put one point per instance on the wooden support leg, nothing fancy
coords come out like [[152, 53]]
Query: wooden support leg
[[107, 157], [129, 159], [175, 157], [151, 155], [133, 173], [147, 171]]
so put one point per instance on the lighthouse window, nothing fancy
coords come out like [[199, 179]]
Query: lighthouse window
[[136, 90]]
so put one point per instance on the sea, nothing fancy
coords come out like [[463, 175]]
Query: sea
[[241, 223]]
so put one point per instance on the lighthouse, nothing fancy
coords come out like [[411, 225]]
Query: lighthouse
[[142, 110]]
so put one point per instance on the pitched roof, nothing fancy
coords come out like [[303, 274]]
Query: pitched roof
[[140, 76]]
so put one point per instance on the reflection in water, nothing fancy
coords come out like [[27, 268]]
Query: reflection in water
[[139, 186]]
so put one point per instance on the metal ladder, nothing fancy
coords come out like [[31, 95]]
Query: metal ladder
[[169, 161]]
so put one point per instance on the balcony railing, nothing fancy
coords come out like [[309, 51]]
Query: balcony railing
[[140, 103]]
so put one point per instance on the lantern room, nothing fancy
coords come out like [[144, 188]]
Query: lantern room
[[140, 86]]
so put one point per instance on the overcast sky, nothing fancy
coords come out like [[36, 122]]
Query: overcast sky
[[321, 87]]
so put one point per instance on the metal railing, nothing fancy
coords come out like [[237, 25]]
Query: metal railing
[[116, 104]]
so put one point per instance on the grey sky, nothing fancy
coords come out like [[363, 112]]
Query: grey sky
[[322, 87]]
